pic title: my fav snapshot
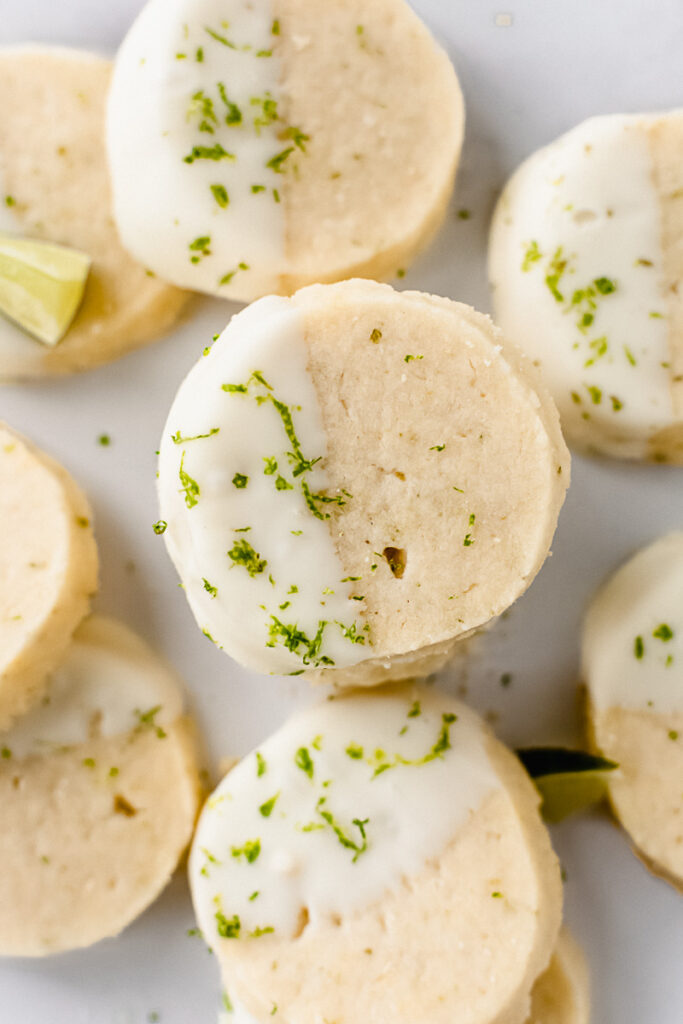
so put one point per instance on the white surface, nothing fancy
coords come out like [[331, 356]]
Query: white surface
[[554, 65]]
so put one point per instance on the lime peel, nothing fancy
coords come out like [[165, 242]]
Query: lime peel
[[41, 285], [569, 781]]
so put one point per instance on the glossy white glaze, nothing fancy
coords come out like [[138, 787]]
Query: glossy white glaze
[[576, 265], [110, 683], [345, 800], [252, 548], [193, 122], [629, 658]]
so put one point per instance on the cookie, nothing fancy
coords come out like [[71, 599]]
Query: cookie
[[562, 994], [380, 851], [632, 669], [355, 478], [48, 569], [259, 147], [99, 790], [586, 260], [54, 186]]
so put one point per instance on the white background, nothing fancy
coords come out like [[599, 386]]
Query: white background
[[556, 64]]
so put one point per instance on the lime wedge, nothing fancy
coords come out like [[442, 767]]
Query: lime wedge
[[568, 780], [41, 285]]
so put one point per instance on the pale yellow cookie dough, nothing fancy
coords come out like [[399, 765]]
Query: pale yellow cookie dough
[[562, 994], [48, 569], [54, 185], [93, 829], [473, 522]]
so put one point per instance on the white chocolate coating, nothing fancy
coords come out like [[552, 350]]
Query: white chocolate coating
[[333, 810], [249, 547], [633, 634], [199, 77], [109, 683], [576, 264]]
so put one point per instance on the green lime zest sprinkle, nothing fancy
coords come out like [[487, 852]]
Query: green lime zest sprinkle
[[220, 38], [200, 246], [160, 526], [663, 633], [442, 744], [556, 271], [227, 278], [227, 928], [261, 766], [234, 114], [220, 194], [240, 481], [189, 487], [268, 111], [346, 841], [250, 851], [304, 761], [242, 553], [213, 591], [276, 162], [266, 809], [177, 439], [354, 751], [216, 153], [638, 647], [298, 642], [531, 256]]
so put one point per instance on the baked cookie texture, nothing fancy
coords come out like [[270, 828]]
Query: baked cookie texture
[[54, 185], [285, 148], [429, 507], [465, 936], [632, 663], [562, 994], [586, 262], [93, 829], [48, 569]]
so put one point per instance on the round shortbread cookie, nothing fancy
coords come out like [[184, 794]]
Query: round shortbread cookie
[[48, 569], [633, 669], [381, 851], [354, 478], [99, 791], [54, 186], [586, 262], [259, 147]]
